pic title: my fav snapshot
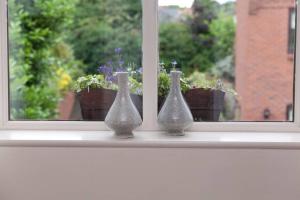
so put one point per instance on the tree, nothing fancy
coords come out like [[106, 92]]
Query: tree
[[199, 41], [176, 43], [223, 30], [204, 11], [35, 29], [100, 26]]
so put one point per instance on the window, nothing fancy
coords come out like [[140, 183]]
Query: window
[[233, 54], [234, 62], [55, 46]]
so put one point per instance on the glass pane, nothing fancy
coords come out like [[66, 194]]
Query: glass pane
[[237, 57], [63, 55]]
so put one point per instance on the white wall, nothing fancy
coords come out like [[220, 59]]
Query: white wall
[[40, 173]]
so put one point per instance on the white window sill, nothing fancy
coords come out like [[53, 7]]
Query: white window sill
[[149, 140]]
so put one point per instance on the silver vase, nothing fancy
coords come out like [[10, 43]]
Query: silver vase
[[175, 115], [123, 117]]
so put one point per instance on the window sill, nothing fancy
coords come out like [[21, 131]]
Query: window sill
[[149, 140]]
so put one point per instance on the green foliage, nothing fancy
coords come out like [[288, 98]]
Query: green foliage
[[91, 82], [176, 42], [204, 11], [223, 31], [18, 69], [224, 68], [37, 103], [195, 80], [136, 87], [53, 40], [200, 80], [201, 40], [100, 26], [164, 83], [98, 81], [35, 29]]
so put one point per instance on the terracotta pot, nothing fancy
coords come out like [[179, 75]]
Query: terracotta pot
[[205, 104], [161, 101], [96, 103], [66, 106]]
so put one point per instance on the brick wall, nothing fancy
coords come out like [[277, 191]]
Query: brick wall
[[264, 68]]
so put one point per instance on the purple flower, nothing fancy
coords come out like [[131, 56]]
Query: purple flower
[[121, 63], [121, 69], [112, 79], [118, 50], [110, 63], [105, 70]]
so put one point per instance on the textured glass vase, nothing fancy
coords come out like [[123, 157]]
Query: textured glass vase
[[175, 115], [123, 117]]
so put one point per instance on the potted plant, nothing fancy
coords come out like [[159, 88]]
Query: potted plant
[[96, 93], [205, 97], [164, 83]]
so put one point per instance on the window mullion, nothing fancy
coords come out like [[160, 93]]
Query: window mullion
[[150, 63], [297, 69], [3, 64]]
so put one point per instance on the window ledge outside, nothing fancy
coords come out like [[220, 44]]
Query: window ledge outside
[[149, 140]]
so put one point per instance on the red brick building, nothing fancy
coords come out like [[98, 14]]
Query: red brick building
[[264, 58]]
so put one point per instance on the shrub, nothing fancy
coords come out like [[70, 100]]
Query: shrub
[[35, 30]]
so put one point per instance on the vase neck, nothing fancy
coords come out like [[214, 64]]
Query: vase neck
[[123, 82], [175, 81]]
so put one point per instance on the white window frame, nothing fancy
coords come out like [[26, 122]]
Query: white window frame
[[150, 66]]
